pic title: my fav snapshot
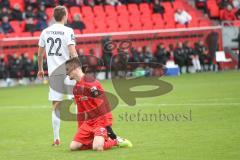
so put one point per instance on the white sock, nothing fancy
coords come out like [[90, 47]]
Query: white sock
[[198, 64], [194, 63], [56, 123]]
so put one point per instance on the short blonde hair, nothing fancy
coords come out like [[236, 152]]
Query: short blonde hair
[[59, 12]]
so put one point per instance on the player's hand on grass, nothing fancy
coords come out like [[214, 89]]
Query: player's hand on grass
[[40, 74]]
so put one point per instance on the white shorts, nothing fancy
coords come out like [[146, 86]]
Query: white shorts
[[54, 95]]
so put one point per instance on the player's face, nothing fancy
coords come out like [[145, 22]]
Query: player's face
[[72, 74], [69, 71]]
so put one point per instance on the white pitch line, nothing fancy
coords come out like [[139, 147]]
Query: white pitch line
[[140, 104], [25, 107], [185, 104]]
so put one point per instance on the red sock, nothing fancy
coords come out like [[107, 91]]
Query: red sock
[[86, 147], [109, 144]]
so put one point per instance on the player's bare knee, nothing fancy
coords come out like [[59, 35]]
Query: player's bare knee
[[74, 146]]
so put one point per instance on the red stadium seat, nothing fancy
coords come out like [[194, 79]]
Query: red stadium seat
[[144, 8], [156, 17], [111, 13], [11, 35], [109, 9], [37, 34], [87, 11], [169, 24], [112, 17], [193, 23], [159, 25], [77, 31], [122, 10], [204, 23], [135, 22], [112, 21], [16, 26], [146, 16], [134, 19], [193, 14], [180, 25], [19, 2], [124, 27], [88, 30], [74, 10], [168, 17], [89, 27], [100, 16], [168, 6], [213, 8], [211, 3], [214, 13], [26, 34], [112, 29], [147, 26], [88, 16], [1, 36], [146, 19], [178, 5], [99, 19], [98, 10], [123, 17], [221, 13], [136, 27], [123, 22], [133, 9], [49, 12], [101, 28]]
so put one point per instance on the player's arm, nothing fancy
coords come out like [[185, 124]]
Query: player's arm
[[100, 100], [41, 51], [72, 51], [71, 44]]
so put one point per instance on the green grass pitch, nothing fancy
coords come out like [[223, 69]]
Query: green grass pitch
[[211, 132]]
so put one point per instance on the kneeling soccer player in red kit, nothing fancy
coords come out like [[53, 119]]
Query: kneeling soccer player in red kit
[[94, 112]]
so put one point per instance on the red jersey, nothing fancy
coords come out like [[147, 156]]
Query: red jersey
[[92, 103]]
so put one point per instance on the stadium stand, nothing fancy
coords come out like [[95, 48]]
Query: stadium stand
[[140, 23], [129, 17]]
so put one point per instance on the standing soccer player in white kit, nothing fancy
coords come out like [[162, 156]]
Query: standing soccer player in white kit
[[59, 43]]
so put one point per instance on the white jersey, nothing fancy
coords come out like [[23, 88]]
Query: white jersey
[[55, 39]]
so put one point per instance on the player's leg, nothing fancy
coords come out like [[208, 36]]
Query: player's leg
[[122, 142], [100, 135], [101, 140], [83, 139], [56, 121], [198, 64], [56, 98], [194, 64], [111, 133], [100, 143], [74, 146]]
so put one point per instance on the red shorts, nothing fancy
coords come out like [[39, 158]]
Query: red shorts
[[86, 133]]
